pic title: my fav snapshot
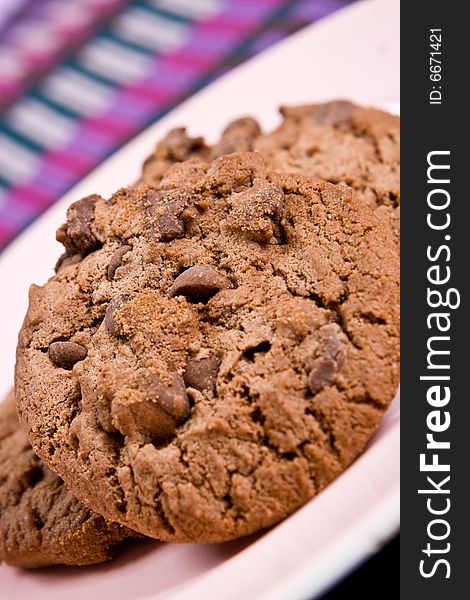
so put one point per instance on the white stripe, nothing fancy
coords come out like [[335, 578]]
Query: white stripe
[[140, 27], [17, 163], [39, 122], [74, 90], [111, 60], [194, 9]]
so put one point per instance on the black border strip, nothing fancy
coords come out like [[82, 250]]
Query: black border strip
[[434, 251]]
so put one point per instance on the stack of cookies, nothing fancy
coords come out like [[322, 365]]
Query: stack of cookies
[[218, 343]]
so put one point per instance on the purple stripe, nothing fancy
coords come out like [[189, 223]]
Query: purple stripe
[[135, 103], [250, 11], [171, 77], [147, 91], [92, 143], [70, 160], [312, 11], [215, 43], [24, 204], [268, 39], [53, 177]]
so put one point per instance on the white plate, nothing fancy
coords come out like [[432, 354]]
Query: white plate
[[353, 54]]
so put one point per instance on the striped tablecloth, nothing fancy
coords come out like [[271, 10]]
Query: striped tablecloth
[[79, 78]]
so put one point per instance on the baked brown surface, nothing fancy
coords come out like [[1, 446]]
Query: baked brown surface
[[337, 141], [213, 350], [41, 522]]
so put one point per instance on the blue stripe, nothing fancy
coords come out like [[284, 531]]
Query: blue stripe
[[39, 95], [161, 12], [111, 37], [21, 139], [82, 70]]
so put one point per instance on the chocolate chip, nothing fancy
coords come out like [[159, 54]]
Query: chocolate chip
[[230, 145], [66, 354], [333, 343], [77, 233], [116, 303], [202, 373], [169, 226], [172, 397], [237, 137], [332, 350], [333, 113], [322, 374], [116, 260], [199, 283], [164, 211], [247, 126], [178, 146]]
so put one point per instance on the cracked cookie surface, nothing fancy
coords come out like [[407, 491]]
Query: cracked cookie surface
[[337, 141], [234, 359], [41, 522]]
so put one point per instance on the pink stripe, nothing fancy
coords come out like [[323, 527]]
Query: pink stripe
[[8, 87], [136, 100], [41, 62], [109, 125], [151, 92], [197, 58], [226, 24], [31, 198], [8, 231], [68, 160]]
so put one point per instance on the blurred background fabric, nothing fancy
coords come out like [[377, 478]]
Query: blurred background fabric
[[78, 78]]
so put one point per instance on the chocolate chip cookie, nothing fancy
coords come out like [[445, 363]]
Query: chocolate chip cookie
[[213, 349], [337, 141], [41, 522]]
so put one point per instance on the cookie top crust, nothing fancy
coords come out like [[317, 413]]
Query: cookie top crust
[[213, 350], [337, 141], [41, 522]]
